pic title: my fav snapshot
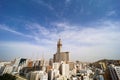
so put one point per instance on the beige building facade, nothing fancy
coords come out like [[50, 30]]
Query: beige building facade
[[60, 56]]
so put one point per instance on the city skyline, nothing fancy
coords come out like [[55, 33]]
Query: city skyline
[[89, 29]]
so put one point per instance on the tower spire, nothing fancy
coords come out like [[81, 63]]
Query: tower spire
[[59, 46]]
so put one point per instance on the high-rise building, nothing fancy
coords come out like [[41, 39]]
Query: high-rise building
[[53, 74], [50, 62], [60, 56], [114, 72], [56, 65], [64, 70]]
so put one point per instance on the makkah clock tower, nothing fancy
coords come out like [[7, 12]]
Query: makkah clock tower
[[60, 56]]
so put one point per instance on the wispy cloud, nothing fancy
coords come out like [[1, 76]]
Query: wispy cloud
[[67, 1], [106, 31], [52, 8], [111, 13], [6, 28], [38, 28], [87, 42], [44, 4], [39, 32]]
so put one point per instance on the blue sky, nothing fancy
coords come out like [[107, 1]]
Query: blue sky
[[89, 29]]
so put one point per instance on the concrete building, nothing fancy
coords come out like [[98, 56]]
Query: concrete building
[[64, 70], [2, 66], [56, 65], [53, 74], [8, 69], [114, 72], [29, 63], [61, 78], [38, 75], [19, 62], [40, 65], [71, 65], [117, 70], [51, 62], [60, 56], [103, 66]]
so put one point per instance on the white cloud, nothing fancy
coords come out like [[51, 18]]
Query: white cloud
[[88, 43], [38, 28], [6, 28], [63, 26]]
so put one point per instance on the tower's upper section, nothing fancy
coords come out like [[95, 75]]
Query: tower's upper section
[[59, 46], [59, 43]]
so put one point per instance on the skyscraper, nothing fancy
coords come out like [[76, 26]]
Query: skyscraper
[[59, 46], [60, 56]]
